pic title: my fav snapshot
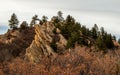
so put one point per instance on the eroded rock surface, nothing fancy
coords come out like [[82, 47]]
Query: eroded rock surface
[[41, 45]]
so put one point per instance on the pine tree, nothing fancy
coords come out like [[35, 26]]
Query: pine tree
[[60, 18], [59, 14], [84, 30], [24, 25], [95, 31], [114, 38], [55, 19], [108, 41], [75, 37], [44, 19], [13, 22], [69, 26], [119, 40], [33, 22], [100, 43], [71, 31], [102, 31]]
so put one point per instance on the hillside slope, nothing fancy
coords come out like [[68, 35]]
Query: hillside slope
[[58, 47], [14, 43]]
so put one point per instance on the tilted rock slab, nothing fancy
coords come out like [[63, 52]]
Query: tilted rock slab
[[40, 46]]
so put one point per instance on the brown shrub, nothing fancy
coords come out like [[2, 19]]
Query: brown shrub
[[78, 61]]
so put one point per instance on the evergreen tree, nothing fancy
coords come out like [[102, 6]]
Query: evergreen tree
[[84, 30], [44, 19], [75, 37], [119, 40], [88, 32], [13, 22], [70, 19], [114, 38], [55, 19], [94, 31], [71, 31], [102, 31], [69, 26], [100, 43], [24, 25], [108, 41], [33, 22], [60, 18], [59, 14], [104, 40], [40, 22]]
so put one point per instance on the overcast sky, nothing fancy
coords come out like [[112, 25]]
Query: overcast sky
[[105, 13]]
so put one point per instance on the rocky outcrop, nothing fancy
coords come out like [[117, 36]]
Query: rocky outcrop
[[14, 43], [61, 44], [116, 44], [41, 45]]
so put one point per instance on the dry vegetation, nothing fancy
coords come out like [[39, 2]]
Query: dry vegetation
[[79, 61], [14, 43]]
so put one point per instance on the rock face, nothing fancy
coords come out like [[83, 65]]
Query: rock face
[[40, 46], [116, 44], [61, 44]]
